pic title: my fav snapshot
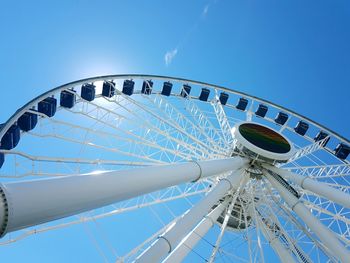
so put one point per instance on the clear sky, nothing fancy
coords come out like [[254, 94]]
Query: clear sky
[[294, 53]]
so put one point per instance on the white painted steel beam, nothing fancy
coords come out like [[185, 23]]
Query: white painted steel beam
[[314, 186], [326, 236], [34, 202], [170, 239], [282, 252], [224, 223], [293, 220], [191, 240], [277, 229], [309, 149], [222, 119]]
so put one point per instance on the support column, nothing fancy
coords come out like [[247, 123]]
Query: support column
[[169, 240], [314, 186], [275, 243], [226, 219], [323, 233], [191, 240], [284, 237], [34, 202]]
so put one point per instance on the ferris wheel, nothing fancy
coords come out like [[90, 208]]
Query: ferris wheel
[[235, 178]]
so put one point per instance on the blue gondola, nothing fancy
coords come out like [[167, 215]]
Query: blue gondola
[[67, 99], [167, 87], [242, 104], [2, 159], [204, 94], [27, 121], [185, 91], [88, 92], [301, 128], [223, 98], [147, 86], [128, 87], [48, 106], [320, 136], [342, 151], [11, 138], [281, 118], [108, 89], [261, 111]]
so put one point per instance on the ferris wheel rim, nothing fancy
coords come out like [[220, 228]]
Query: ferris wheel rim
[[28, 105], [176, 96]]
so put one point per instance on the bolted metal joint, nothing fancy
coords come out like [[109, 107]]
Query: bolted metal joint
[[4, 213]]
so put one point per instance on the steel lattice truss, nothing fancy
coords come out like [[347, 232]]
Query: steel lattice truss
[[123, 132]]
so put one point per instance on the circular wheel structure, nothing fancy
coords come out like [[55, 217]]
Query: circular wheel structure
[[224, 175]]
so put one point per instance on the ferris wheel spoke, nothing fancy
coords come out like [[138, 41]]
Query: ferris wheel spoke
[[113, 120], [133, 139], [222, 120], [97, 146], [76, 160], [142, 141], [167, 132], [201, 117], [30, 165], [309, 149], [146, 129], [322, 171], [182, 122], [163, 121], [323, 233], [199, 144]]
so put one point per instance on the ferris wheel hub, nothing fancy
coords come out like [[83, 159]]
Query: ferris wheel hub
[[259, 142], [237, 220]]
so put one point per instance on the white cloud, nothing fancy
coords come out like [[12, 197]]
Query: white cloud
[[169, 56], [205, 11]]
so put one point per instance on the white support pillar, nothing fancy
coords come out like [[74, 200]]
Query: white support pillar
[[275, 243], [191, 240], [323, 233], [284, 237], [34, 202], [314, 186], [226, 219], [169, 240]]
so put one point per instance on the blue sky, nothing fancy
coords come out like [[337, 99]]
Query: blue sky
[[294, 53]]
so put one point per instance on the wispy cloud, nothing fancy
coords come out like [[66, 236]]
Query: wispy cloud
[[169, 56], [205, 10]]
